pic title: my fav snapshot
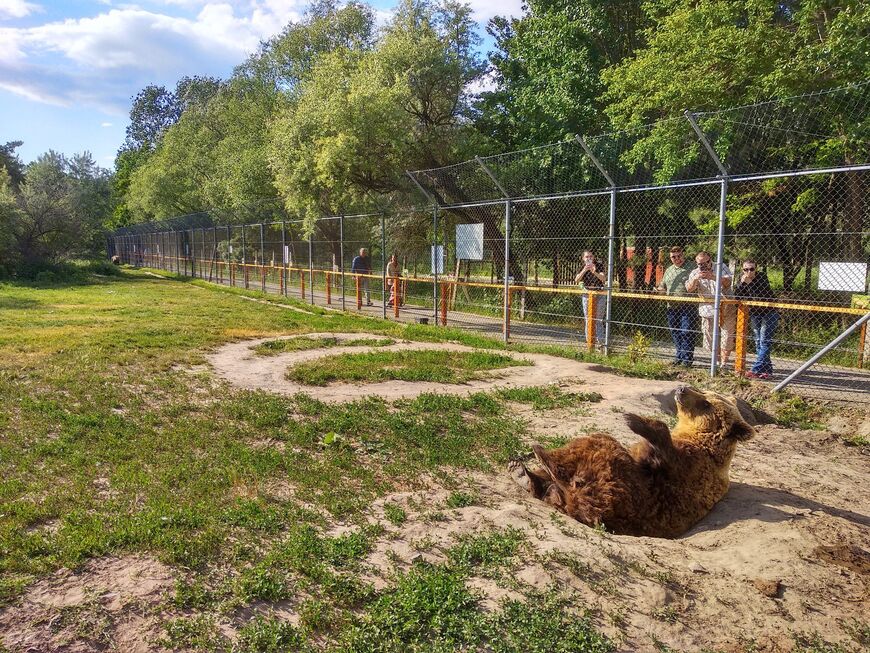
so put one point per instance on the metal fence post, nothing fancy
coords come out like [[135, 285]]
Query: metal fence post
[[611, 243], [434, 264], [244, 258], [284, 257], [720, 245], [506, 322], [384, 270], [262, 259], [311, 266], [341, 257]]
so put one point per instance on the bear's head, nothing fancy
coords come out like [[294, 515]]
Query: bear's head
[[709, 416]]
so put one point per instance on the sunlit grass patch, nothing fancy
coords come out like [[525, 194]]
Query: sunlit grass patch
[[432, 366], [304, 343]]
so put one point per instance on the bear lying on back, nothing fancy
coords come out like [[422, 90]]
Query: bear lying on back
[[659, 487]]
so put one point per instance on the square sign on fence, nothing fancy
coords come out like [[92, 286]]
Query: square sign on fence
[[849, 277], [469, 242], [437, 259], [286, 254]]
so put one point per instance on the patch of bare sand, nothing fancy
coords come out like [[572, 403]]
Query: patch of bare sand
[[238, 364], [786, 551], [108, 605]]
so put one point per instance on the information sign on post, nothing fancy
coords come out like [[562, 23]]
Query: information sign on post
[[437, 259], [286, 254], [469, 242], [848, 277]]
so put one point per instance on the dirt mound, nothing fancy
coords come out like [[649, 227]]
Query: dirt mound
[[109, 604]]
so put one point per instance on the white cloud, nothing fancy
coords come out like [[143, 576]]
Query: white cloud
[[105, 59], [16, 9], [105, 124], [483, 10]]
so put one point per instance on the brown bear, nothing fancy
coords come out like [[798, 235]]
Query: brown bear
[[660, 486]]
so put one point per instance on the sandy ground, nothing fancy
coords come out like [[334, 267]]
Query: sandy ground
[[787, 551]]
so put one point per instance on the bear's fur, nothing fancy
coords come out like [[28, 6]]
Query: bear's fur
[[660, 486]]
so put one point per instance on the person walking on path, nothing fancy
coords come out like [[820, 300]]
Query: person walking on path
[[362, 265], [680, 315], [592, 277], [754, 284], [702, 280]]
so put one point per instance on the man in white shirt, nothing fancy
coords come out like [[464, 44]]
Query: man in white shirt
[[702, 280]]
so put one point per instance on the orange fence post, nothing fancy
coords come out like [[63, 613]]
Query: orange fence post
[[591, 305], [445, 290], [396, 298], [358, 293], [328, 289], [302, 283], [862, 342], [740, 338]]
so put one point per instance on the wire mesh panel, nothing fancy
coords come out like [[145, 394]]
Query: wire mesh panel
[[800, 250]]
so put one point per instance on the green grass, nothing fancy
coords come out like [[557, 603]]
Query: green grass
[[547, 397], [372, 367], [302, 343]]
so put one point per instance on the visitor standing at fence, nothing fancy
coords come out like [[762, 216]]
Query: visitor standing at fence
[[362, 265], [393, 280], [754, 284], [592, 277], [702, 280], [680, 315]]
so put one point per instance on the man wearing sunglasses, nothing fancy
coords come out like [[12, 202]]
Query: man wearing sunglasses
[[755, 285], [702, 280]]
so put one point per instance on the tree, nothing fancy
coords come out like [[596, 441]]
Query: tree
[[10, 161], [547, 65], [718, 54], [58, 211]]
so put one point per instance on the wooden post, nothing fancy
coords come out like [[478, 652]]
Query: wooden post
[[358, 293], [263, 274], [396, 299], [590, 320], [281, 281], [740, 338], [862, 342], [445, 291], [328, 289], [302, 284]]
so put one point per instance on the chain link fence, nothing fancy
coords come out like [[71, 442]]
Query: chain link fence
[[741, 231]]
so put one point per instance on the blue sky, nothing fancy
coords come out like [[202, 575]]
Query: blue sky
[[68, 69]]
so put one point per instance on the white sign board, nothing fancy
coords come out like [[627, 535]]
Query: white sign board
[[231, 249], [438, 259], [469, 242], [286, 254], [849, 277]]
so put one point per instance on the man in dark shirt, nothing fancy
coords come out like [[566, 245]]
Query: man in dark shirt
[[362, 265], [592, 277], [754, 284]]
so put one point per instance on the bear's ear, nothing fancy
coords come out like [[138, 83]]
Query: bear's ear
[[741, 431]]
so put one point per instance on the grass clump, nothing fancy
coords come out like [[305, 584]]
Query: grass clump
[[372, 367], [395, 514], [547, 397], [461, 499], [489, 550], [268, 634], [304, 343]]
